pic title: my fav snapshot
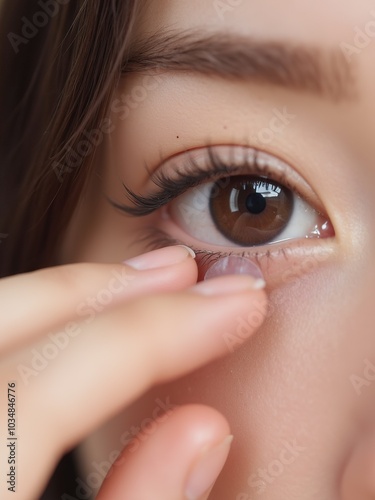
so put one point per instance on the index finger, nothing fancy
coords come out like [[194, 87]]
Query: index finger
[[32, 304]]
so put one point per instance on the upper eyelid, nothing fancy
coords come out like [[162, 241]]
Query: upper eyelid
[[190, 173], [268, 165]]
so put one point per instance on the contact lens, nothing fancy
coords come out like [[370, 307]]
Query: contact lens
[[233, 264]]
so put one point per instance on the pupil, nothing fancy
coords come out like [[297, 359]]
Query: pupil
[[256, 203]]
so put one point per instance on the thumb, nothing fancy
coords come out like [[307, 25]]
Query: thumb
[[181, 460]]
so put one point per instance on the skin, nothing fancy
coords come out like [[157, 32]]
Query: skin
[[294, 381], [293, 385]]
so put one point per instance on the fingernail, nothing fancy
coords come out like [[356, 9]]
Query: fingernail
[[162, 257], [207, 469], [234, 264], [226, 285]]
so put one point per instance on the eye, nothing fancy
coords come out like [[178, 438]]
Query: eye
[[248, 210], [245, 211], [230, 196]]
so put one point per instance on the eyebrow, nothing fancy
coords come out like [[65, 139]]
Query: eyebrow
[[323, 72]]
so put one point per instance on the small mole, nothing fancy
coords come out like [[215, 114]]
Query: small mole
[[178, 137], [225, 127]]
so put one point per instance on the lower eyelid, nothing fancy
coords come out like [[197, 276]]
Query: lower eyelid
[[282, 264]]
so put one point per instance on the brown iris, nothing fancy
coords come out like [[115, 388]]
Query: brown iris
[[250, 210]]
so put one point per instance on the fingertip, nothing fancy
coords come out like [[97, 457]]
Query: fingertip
[[162, 257], [181, 457]]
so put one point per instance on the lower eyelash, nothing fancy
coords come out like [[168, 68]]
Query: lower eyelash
[[281, 265], [155, 238]]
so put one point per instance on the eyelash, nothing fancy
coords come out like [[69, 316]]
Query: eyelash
[[172, 187]]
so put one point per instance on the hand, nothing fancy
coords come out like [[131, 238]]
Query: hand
[[83, 341]]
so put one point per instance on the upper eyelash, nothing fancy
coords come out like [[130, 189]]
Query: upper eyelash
[[172, 187]]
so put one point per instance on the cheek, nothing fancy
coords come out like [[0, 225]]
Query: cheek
[[288, 393]]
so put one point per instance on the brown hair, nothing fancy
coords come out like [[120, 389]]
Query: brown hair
[[57, 80]]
